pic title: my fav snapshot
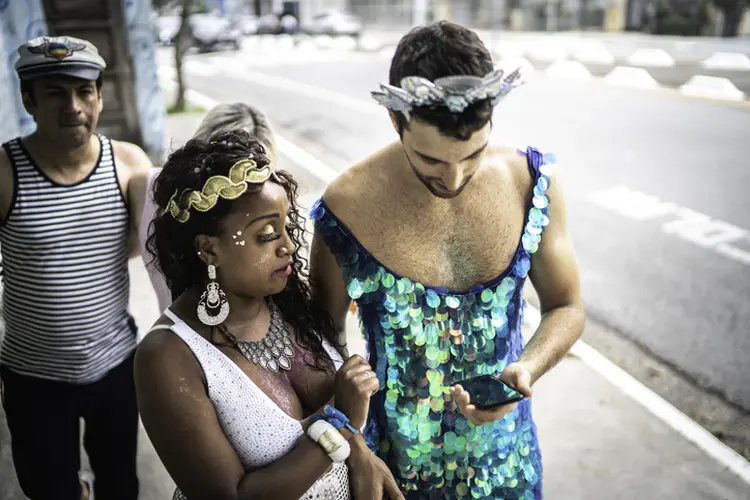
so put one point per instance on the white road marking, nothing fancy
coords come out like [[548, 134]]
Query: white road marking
[[623, 381], [512, 62], [733, 61], [508, 48], [547, 51], [712, 87], [631, 77], [593, 53], [654, 403], [572, 70], [306, 160], [632, 204], [313, 92], [684, 223], [651, 57]]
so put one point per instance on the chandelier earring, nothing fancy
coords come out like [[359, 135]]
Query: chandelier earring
[[213, 307]]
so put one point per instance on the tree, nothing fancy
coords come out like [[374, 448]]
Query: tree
[[732, 11], [181, 44]]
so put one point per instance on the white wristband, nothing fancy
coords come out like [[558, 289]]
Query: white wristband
[[330, 439], [341, 453]]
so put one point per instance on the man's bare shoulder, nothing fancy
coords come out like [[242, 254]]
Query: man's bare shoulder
[[505, 154], [131, 156], [5, 166], [6, 184], [360, 183], [511, 163]]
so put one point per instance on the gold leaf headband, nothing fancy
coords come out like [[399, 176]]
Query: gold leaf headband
[[241, 174]]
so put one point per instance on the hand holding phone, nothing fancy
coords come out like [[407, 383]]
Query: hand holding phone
[[487, 392], [497, 395]]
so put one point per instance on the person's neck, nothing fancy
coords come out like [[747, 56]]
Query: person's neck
[[418, 194], [46, 151], [248, 317]]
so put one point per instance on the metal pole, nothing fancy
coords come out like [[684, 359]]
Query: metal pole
[[419, 12]]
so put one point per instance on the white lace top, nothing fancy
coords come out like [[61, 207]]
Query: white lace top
[[257, 428]]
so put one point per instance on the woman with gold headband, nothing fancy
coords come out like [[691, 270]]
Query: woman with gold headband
[[221, 119], [235, 381]]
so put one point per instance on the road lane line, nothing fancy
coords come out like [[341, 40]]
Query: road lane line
[[688, 225], [311, 91], [615, 375], [306, 160]]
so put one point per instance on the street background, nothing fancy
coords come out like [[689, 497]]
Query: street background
[[598, 443], [652, 136]]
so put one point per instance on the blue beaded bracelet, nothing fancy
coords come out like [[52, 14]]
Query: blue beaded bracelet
[[335, 418]]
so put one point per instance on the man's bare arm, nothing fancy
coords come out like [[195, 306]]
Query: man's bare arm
[[328, 286], [133, 167], [6, 185], [554, 274]]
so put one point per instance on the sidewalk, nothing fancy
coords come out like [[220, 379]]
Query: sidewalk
[[597, 443]]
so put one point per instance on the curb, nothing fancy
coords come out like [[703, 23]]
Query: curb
[[701, 86], [722, 76]]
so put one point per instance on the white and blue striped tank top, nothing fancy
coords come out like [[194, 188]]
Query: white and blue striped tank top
[[65, 273]]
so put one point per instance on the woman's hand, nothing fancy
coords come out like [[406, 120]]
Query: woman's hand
[[354, 384], [370, 478]]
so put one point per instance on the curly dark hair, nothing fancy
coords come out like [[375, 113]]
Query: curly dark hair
[[172, 243], [438, 50]]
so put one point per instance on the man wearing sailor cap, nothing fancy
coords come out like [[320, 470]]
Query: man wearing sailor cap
[[68, 200]]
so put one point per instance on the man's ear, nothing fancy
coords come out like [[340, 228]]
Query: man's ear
[[394, 121], [28, 103]]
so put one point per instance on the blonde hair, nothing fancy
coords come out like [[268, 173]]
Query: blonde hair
[[228, 117]]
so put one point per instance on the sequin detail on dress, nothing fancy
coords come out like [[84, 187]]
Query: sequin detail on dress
[[420, 340]]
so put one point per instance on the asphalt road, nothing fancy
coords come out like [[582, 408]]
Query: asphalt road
[[673, 275]]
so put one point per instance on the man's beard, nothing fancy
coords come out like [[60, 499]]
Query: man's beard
[[436, 192]]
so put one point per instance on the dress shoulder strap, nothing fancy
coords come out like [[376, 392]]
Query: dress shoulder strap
[[538, 216]]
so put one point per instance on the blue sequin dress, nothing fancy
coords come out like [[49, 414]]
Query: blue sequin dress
[[422, 339]]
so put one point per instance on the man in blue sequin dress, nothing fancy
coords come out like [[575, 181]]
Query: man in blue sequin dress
[[434, 236]]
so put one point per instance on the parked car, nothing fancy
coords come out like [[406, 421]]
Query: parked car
[[166, 29], [269, 24], [247, 24], [207, 32], [211, 32], [333, 23]]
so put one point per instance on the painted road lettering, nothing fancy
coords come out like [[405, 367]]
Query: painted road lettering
[[632, 204], [700, 229]]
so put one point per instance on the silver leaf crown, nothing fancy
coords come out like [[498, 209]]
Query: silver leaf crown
[[454, 92]]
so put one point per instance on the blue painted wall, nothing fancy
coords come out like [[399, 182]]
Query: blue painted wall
[[21, 20]]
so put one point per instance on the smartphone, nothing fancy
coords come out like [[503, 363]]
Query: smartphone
[[488, 392]]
